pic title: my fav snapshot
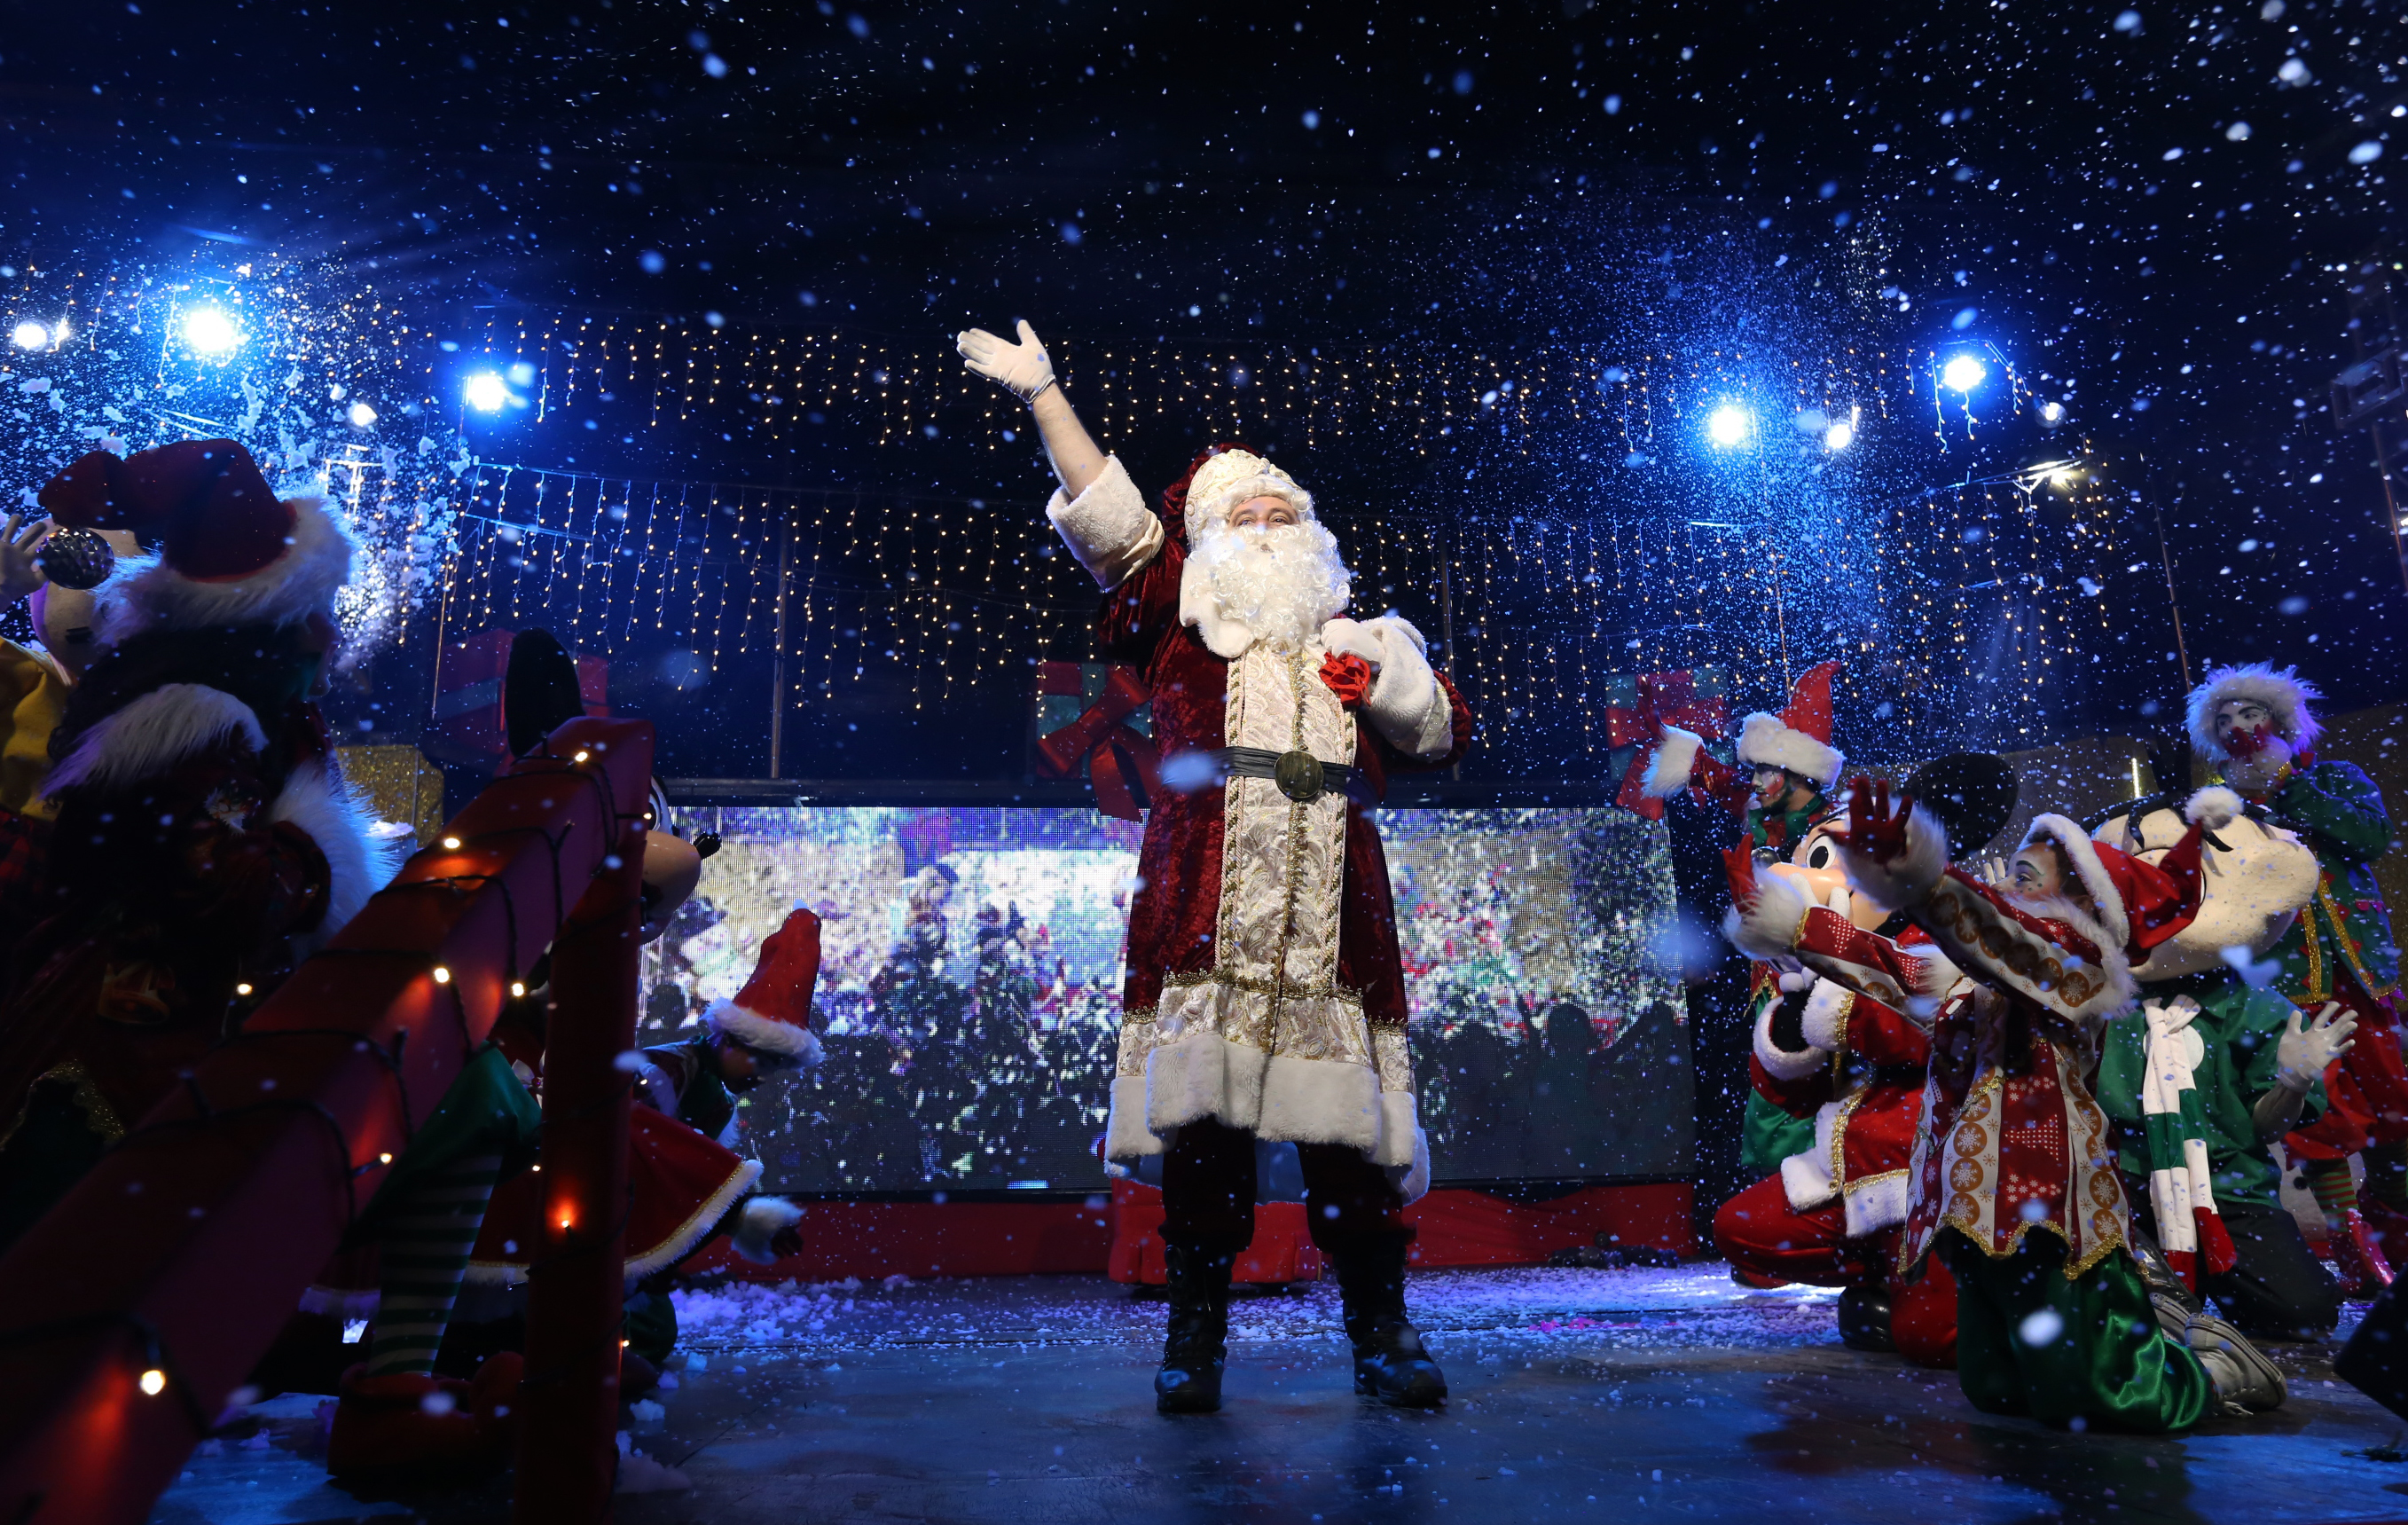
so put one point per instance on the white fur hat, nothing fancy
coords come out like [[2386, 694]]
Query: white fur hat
[[1234, 476], [2282, 691], [1766, 741]]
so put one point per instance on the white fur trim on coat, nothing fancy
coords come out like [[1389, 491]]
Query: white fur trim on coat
[[763, 1220], [321, 804], [1826, 1022], [1407, 704], [1902, 884], [303, 581], [1768, 927], [1279, 1098], [2083, 854], [2215, 807], [153, 733], [1108, 528], [1783, 1063], [1126, 1136], [1881, 1202], [1675, 760], [2281, 690], [766, 1034], [1806, 1175], [1413, 1180], [1766, 742]]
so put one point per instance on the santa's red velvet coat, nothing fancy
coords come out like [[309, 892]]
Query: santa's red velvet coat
[[1253, 1071]]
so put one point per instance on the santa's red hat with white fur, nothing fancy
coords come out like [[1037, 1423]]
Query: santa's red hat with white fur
[[231, 551], [773, 1012]]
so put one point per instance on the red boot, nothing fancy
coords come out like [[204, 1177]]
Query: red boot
[[2364, 1271], [408, 1420]]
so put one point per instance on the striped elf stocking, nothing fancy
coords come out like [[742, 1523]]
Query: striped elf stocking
[[424, 1249], [2182, 1192]]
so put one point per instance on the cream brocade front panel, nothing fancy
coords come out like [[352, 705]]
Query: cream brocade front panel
[[1274, 987]]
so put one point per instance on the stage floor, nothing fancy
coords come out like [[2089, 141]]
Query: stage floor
[[1600, 1395]]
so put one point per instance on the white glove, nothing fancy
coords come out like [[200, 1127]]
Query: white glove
[[2303, 1056], [1025, 367], [1354, 638]]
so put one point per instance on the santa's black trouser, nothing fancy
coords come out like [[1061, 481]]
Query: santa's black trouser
[[2276, 1289], [1208, 1191]]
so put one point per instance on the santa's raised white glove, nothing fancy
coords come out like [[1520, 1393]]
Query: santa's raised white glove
[[2305, 1054], [1025, 367]]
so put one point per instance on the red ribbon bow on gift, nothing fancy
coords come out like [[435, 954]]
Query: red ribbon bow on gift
[[1665, 698], [1122, 761]]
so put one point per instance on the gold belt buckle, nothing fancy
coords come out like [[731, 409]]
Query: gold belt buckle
[[1298, 776]]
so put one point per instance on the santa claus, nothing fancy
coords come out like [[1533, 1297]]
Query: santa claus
[[1265, 997]]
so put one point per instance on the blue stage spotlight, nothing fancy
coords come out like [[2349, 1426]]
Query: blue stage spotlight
[[1963, 374], [1728, 425], [208, 331], [1839, 437], [487, 393], [30, 335]]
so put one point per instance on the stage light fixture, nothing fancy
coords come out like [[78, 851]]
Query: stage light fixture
[[30, 335], [1728, 425], [210, 331], [1839, 437], [1963, 374], [487, 393]]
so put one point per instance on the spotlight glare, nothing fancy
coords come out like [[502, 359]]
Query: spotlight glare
[[487, 392], [210, 331], [2052, 413], [361, 416], [1839, 437], [30, 335], [1728, 425], [1963, 374], [154, 1382]]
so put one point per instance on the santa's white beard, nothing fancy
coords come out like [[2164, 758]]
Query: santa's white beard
[[1284, 584]]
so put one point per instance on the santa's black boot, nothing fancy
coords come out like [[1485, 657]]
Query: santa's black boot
[[1197, 1346], [1390, 1363], [1864, 1319]]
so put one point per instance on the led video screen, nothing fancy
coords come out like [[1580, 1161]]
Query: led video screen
[[971, 990]]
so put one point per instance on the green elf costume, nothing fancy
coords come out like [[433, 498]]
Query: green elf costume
[[2210, 1069], [2257, 725], [1789, 767]]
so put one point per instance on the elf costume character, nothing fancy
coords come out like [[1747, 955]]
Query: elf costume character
[[2210, 1071], [1854, 1069], [1265, 996], [2014, 1176], [1778, 794], [216, 844], [687, 1183], [2257, 725]]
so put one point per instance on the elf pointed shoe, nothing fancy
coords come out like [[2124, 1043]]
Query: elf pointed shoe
[[1196, 1346], [407, 1421], [2244, 1380], [1391, 1363], [2359, 1256]]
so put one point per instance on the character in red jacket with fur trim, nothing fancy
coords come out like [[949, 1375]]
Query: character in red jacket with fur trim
[[205, 840], [1265, 996]]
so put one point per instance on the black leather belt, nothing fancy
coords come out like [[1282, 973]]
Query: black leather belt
[[1301, 776]]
